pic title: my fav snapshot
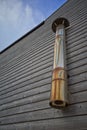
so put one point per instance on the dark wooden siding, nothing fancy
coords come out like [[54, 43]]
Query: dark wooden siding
[[26, 72]]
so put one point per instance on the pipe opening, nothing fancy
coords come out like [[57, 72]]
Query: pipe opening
[[58, 104]]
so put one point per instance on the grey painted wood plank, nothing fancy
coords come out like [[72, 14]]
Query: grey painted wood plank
[[77, 37], [29, 78], [67, 10], [29, 71], [45, 114], [26, 108], [72, 89], [76, 64], [77, 52], [43, 107], [34, 56], [28, 93], [30, 60], [37, 44], [75, 31], [81, 41], [26, 85], [78, 78], [36, 48], [28, 100], [76, 46], [77, 71], [77, 58], [35, 60], [79, 87], [31, 65], [71, 73], [26, 89], [73, 99], [52, 124]]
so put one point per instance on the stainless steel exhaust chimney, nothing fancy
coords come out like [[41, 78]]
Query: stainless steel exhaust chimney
[[59, 96]]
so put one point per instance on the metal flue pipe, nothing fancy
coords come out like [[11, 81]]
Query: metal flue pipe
[[59, 96]]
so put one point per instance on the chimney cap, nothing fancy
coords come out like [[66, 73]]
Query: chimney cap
[[59, 21]]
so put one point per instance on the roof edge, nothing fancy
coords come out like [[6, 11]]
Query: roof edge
[[23, 36], [32, 29]]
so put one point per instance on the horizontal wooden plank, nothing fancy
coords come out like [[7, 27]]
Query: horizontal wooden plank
[[77, 52], [37, 47], [80, 109], [79, 36], [75, 32], [77, 64], [28, 100], [71, 73], [73, 99], [77, 71], [81, 86], [25, 86], [30, 38], [32, 59], [28, 77], [22, 89], [77, 22], [36, 50], [52, 124], [28, 70], [78, 78], [37, 60], [40, 75], [76, 46], [77, 58], [77, 109], [20, 96], [71, 110], [67, 11], [27, 60], [24, 94], [29, 65], [26, 108]]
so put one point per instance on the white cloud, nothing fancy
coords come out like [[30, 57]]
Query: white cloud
[[16, 18]]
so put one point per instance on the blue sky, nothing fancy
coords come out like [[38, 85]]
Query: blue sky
[[17, 17]]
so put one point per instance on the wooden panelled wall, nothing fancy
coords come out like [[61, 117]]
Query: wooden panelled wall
[[26, 74]]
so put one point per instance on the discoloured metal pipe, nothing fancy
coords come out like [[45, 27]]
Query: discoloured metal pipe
[[59, 96]]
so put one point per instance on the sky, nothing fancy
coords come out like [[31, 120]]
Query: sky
[[17, 17]]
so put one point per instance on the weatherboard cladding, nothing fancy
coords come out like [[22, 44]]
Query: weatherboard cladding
[[26, 74]]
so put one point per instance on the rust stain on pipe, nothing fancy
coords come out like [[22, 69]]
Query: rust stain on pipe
[[58, 91]]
